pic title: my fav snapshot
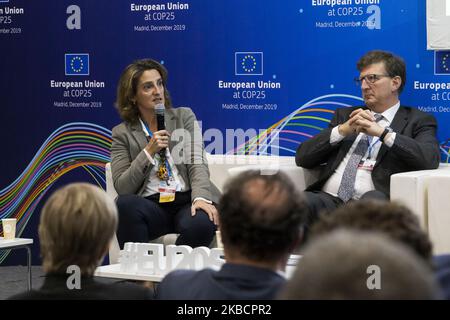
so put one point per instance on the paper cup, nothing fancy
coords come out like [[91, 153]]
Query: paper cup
[[219, 240]]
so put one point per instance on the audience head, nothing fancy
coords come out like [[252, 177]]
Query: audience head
[[128, 88], [261, 216], [76, 226], [360, 265], [390, 218]]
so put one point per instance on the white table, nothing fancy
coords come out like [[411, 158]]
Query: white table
[[113, 271], [19, 243]]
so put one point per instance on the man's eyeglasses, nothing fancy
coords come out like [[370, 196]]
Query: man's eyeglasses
[[370, 78]]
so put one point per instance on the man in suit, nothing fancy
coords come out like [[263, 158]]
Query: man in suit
[[364, 146], [261, 218]]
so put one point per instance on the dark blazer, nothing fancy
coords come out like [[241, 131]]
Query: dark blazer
[[442, 273], [231, 282], [415, 148], [55, 288]]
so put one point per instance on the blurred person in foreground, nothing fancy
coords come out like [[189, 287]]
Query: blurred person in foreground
[[261, 224], [393, 219], [347, 264], [76, 227], [396, 222]]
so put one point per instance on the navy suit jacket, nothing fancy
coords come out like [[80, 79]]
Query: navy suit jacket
[[415, 148], [231, 282]]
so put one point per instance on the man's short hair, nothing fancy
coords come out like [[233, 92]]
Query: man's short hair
[[360, 265], [394, 65], [261, 215], [391, 218], [77, 224]]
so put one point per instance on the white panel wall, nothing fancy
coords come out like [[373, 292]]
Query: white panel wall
[[438, 24]]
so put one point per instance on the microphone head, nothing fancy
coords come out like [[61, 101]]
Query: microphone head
[[159, 109]]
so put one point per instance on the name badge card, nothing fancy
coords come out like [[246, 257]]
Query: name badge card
[[166, 193], [367, 164]]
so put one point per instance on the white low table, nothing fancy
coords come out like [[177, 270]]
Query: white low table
[[19, 243], [113, 271]]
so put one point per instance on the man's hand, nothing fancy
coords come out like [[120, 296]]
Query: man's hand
[[210, 210], [363, 121], [349, 127], [159, 141]]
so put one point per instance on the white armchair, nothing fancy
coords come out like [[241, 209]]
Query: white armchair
[[426, 192], [220, 171], [223, 167], [114, 249]]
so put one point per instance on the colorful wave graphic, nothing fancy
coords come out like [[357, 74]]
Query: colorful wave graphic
[[87, 145], [445, 151], [306, 121], [71, 146], [287, 134]]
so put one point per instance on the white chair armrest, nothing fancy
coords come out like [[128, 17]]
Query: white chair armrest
[[426, 193], [411, 189], [439, 213]]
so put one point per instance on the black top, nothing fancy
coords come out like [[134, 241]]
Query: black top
[[55, 288], [231, 282], [442, 273]]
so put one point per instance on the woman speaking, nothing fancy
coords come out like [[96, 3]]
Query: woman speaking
[[160, 174]]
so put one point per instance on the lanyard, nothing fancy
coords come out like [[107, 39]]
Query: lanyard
[[149, 136], [169, 168], [149, 133]]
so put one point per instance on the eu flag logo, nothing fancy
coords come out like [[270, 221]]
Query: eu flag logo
[[248, 63], [442, 62], [77, 64]]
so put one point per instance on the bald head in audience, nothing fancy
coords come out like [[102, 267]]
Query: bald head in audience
[[360, 265], [261, 218]]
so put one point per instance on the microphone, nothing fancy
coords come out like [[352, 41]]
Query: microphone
[[159, 112]]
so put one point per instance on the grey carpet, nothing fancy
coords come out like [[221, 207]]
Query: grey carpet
[[13, 279]]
